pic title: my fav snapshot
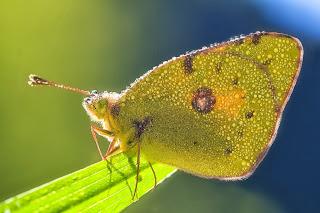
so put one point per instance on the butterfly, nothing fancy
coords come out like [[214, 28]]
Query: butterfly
[[212, 112]]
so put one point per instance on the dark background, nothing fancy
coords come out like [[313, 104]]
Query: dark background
[[105, 45]]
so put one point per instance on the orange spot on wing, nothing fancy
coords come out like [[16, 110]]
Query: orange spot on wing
[[231, 102]]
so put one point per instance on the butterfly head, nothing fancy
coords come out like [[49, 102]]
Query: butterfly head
[[97, 104]]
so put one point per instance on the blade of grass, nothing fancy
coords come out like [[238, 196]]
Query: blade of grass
[[103, 186]]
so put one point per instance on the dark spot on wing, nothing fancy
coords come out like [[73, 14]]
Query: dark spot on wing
[[228, 151], [203, 100], [256, 38], [235, 81], [141, 126], [249, 114], [218, 67], [188, 64]]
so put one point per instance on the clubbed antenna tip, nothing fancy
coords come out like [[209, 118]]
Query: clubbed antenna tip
[[35, 80]]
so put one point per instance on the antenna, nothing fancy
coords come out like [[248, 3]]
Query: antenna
[[35, 80]]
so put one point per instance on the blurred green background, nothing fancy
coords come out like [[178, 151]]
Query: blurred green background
[[106, 45]]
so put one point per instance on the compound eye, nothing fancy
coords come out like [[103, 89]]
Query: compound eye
[[94, 92]]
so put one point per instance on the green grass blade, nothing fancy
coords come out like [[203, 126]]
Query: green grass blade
[[106, 187]]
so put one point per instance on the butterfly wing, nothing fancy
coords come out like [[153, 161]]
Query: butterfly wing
[[214, 112]]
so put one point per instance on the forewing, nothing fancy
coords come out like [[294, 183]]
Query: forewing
[[215, 112]]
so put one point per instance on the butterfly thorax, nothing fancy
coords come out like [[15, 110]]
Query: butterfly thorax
[[103, 108]]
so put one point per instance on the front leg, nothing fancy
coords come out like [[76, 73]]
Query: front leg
[[102, 132]]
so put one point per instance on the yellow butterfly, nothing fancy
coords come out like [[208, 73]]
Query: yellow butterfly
[[213, 112]]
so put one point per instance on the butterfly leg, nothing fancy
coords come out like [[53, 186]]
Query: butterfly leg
[[113, 148], [105, 133], [154, 175], [138, 170]]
